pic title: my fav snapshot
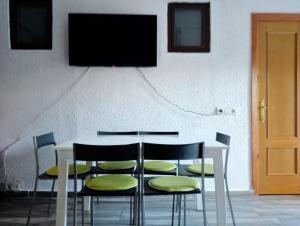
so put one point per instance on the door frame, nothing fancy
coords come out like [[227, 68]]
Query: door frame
[[256, 19]]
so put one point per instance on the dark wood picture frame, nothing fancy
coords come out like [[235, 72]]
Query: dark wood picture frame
[[204, 39], [30, 24]]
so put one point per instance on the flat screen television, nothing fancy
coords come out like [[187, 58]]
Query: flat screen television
[[119, 40]]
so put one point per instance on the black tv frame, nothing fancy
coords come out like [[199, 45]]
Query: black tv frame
[[152, 62]]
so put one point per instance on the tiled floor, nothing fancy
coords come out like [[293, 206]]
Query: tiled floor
[[250, 210]]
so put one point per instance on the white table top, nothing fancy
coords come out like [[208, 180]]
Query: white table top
[[121, 139]]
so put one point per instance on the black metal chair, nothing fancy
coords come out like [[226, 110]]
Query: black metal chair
[[99, 167], [84, 152], [152, 151], [208, 169], [51, 174]]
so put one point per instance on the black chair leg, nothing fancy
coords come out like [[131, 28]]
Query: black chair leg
[[92, 211], [32, 201], [138, 211], [173, 209], [82, 211], [229, 202], [130, 212], [184, 209], [51, 197], [141, 210], [179, 214], [204, 208], [75, 210], [177, 203], [134, 211]]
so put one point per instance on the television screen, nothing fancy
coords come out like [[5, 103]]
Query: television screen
[[112, 40]]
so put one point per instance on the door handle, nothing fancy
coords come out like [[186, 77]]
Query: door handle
[[262, 111]]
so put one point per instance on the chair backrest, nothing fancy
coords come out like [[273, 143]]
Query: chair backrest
[[41, 141], [99, 133], [223, 138], [172, 151], [158, 133], [85, 152]]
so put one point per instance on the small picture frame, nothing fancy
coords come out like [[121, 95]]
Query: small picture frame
[[189, 27], [30, 24]]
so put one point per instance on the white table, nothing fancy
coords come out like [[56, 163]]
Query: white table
[[65, 156]]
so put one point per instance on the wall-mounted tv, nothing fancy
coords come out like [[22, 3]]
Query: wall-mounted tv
[[119, 40]]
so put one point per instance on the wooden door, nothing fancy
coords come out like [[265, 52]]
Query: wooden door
[[276, 104]]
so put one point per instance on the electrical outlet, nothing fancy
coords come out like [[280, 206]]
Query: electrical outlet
[[232, 111], [225, 111], [220, 111]]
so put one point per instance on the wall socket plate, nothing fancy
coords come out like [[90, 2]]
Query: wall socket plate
[[225, 111]]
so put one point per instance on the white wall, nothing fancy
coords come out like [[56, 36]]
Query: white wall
[[38, 95]]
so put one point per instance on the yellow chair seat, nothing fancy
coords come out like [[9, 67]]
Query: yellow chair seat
[[174, 183], [159, 166], [81, 168], [117, 165], [196, 168], [115, 182]]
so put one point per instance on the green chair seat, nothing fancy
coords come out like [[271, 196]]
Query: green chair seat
[[117, 165], [115, 182], [174, 183], [159, 166], [81, 168], [196, 168]]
